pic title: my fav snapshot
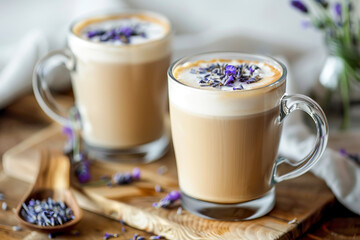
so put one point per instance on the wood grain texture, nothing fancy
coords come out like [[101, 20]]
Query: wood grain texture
[[304, 198]]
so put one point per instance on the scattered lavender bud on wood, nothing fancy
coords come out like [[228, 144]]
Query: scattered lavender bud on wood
[[294, 221], [109, 236], [158, 188], [155, 237], [136, 173], [16, 228], [4, 206], [168, 200], [2, 196], [162, 170], [179, 211], [120, 178]]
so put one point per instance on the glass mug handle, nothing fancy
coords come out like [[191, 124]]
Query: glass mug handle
[[40, 86], [289, 104]]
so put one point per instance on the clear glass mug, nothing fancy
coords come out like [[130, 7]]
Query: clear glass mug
[[226, 142], [120, 92]]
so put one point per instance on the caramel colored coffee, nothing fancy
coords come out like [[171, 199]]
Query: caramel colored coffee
[[226, 134], [120, 78]]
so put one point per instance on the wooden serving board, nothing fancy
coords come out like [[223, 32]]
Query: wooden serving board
[[304, 199]]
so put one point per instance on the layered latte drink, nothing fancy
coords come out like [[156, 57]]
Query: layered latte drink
[[118, 64], [226, 127], [120, 82]]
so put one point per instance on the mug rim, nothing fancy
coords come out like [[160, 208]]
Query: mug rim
[[104, 13], [182, 60]]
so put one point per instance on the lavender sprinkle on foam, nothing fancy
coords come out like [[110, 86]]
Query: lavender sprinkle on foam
[[218, 75]]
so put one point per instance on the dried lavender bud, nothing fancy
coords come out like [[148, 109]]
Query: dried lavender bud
[[136, 173], [109, 236], [352, 156], [16, 228], [293, 221], [122, 33], [158, 188], [179, 211], [155, 237], [4, 206], [135, 236], [217, 75], [82, 169], [46, 213], [168, 200], [125, 178], [173, 196], [123, 229], [162, 170], [2, 196]]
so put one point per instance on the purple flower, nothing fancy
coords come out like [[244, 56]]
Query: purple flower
[[168, 200], [343, 152], [230, 79], [337, 9], [305, 23], [136, 173], [82, 171], [126, 31], [122, 178], [173, 196], [108, 236], [230, 70], [68, 132], [91, 34], [155, 237], [299, 5]]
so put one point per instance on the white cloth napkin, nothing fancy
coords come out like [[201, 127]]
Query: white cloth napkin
[[16, 75], [340, 174]]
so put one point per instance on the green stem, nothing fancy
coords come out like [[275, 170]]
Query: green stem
[[344, 91], [346, 22]]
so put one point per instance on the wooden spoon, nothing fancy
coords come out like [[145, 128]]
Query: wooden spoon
[[53, 180]]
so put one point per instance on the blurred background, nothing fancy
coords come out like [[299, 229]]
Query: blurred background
[[29, 29]]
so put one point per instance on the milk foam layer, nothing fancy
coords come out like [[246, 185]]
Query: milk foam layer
[[156, 46], [188, 95]]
